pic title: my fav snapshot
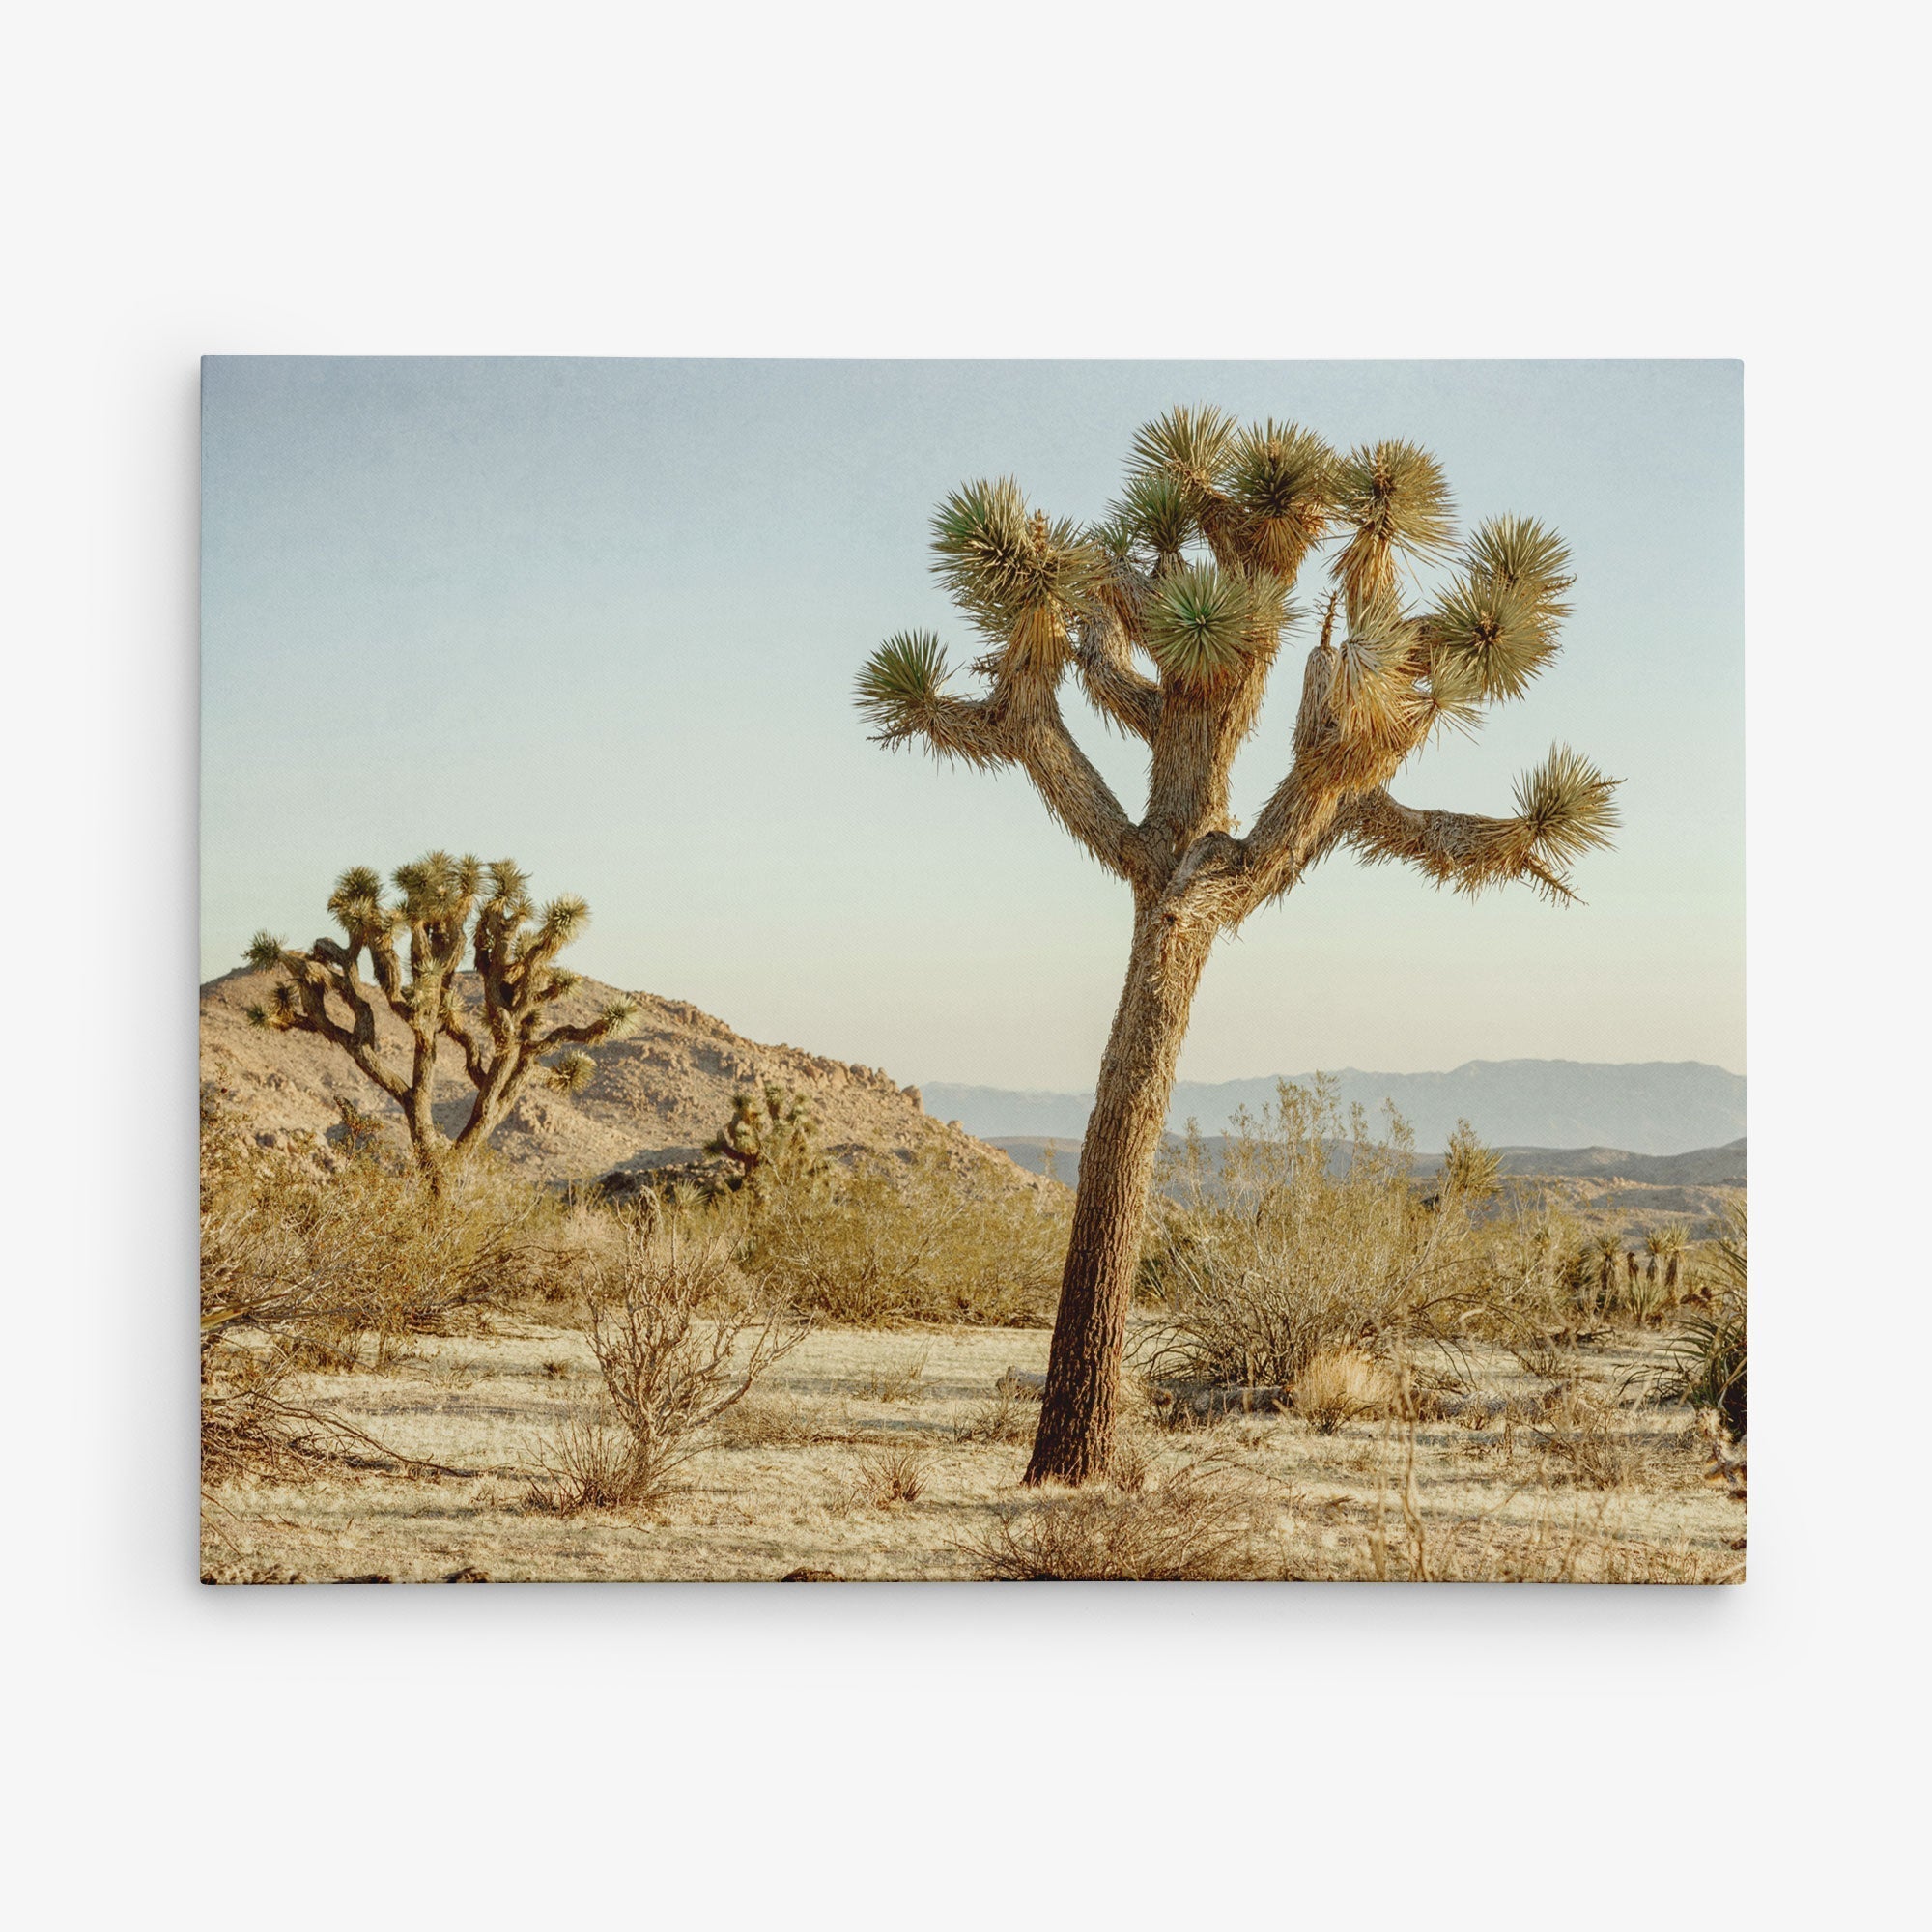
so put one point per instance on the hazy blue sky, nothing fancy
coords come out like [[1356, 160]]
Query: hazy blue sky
[[603, 616]]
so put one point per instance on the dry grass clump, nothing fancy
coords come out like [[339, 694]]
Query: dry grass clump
[[929, 1240], [679, 1337], [899, 1379], [1002, 1419], [1584, 1442], [763, 1421], [1194, 1528], [888, 1477], [1340, 1385]]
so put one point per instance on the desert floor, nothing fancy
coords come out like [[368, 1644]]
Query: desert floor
[[798, 1476]]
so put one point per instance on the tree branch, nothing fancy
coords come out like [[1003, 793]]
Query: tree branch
[[1104, 661], [1454, 848]]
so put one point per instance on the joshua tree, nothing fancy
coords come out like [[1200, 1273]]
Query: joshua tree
[[773, 1140], [1170, 613], [1609, 1249], [512, 946], [1671, 1241]]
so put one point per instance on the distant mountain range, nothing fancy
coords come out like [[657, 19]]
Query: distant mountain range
[[1698, 1168], [1642, 1107]]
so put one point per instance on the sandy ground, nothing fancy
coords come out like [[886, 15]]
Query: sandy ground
[[792, 1480]]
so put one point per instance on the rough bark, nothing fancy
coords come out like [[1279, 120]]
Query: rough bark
[[1075, 1440]]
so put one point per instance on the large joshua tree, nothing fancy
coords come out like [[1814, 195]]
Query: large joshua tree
[[416, 945], [1170, 615]]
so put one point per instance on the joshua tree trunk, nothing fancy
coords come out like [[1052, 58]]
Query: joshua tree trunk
[[1171, 614], [1075, 1439]]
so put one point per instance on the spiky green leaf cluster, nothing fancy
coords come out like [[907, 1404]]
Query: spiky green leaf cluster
[[356, 906], [1394, 497], [1203, 621], [1155, 515], [897, 684], [1191, 446], [1371, 691], [619, 1018], [437, 887], [1566, 807], [1522, 555], [1499, 619], [1017, 574], [1282, 475], [563, 920], [572, 1072], [265, 952], [509, 891], [1492, 632]]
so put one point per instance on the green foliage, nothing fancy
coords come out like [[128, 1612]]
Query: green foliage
[[1283, 477], [1157, 514], [1490, 633], [1201, 620], [1394, 499], [1017, 574], [265, 952], [1522, 555], [1566, 807], [572, 1072], [1710, 1358], [772, 1139], [900, 682], [1191, 446]]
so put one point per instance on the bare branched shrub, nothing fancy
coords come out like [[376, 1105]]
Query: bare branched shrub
[[1195, 1527], [934, 1239], [679, 1337], [1581, 1435]]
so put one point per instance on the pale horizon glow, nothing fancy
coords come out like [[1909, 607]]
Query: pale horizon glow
[[604, 617]]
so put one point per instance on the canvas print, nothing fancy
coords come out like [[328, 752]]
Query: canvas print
[[972, 971]]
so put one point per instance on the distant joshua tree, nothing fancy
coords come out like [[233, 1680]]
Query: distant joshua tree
[[1170, 613], [512, 947], [772, 1139]]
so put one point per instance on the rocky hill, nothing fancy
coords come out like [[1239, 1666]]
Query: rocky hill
[[656, 1098]]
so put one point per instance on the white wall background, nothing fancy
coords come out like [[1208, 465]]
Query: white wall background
[[1486, 179]]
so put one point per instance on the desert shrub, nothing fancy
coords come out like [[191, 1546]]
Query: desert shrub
[[309, 1251], [680, 1337], [933, 1240], [302, 1241], [1342, 1385], [1709, 1362], [1195, 1527], [1312, 1236]]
